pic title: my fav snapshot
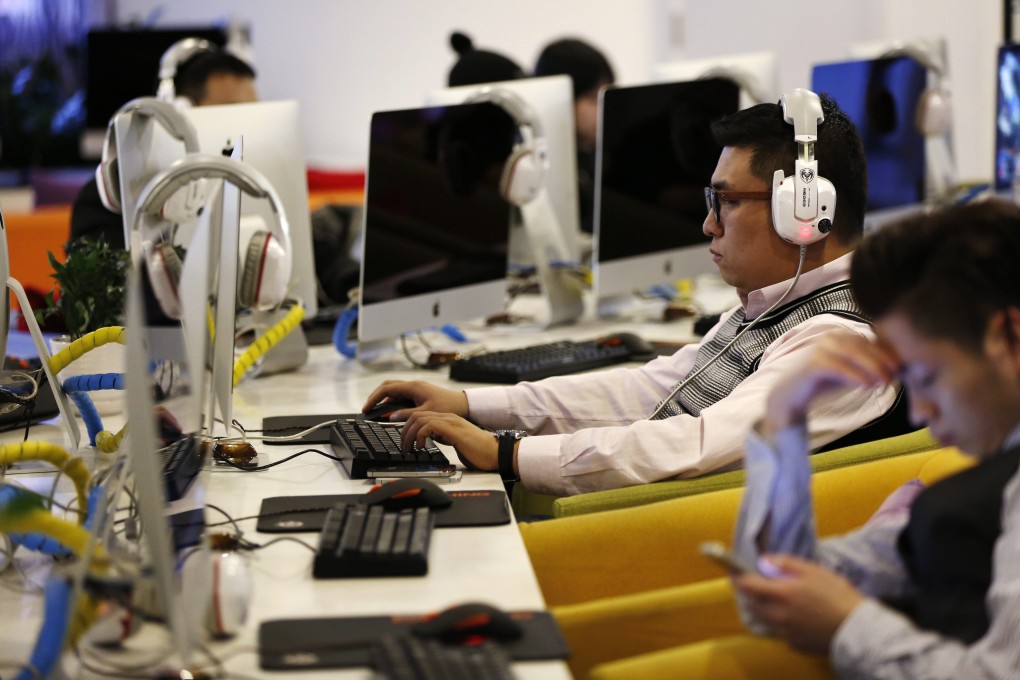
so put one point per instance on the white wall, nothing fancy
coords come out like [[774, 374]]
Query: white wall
[[343, 59], [806, 32]]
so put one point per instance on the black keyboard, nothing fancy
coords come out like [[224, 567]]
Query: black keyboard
[[537, 362], [181, 462], [371, 449], [359, 540], [411, 658]]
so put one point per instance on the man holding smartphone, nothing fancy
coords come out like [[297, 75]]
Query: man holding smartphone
[[931, 591]]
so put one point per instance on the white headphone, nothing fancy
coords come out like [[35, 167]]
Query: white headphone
[[174, 56], [744, 80], [803, 205], [186, 203], [525, 169], [934, 109], [264, 273]]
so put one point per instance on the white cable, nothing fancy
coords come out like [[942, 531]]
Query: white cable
[[686, 381]]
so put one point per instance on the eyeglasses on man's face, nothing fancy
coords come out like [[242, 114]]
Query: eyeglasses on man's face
[[713, 198]]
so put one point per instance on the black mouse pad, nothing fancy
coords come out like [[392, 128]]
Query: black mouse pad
[[302, 644], [283, 514], [284, 426]]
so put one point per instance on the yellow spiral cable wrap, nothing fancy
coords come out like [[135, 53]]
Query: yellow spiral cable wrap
[[86, 343], [266, 342], [57, 456]]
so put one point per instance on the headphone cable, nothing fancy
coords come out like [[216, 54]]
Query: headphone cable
[[686, 381]]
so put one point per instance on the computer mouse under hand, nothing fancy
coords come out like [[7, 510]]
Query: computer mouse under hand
[[384, 409], [640, 349], [409, 492], [468, 620]]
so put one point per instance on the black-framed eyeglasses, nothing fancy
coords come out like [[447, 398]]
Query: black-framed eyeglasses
[[713, 196]]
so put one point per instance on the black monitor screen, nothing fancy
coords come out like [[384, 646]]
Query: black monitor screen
[[124, 64], [656, 156], [881, 97], [434, 217], [1007, 116]]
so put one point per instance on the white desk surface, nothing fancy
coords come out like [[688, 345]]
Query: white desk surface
[[486, 563]]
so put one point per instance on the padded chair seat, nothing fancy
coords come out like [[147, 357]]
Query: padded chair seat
[[528, 504]]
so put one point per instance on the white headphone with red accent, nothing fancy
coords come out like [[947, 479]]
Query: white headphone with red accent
[[804, 204], [526, 167], [185, 204], [264, 273]]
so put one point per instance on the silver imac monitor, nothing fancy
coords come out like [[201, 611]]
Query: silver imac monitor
[[552, 101], [436, 228], [757, 74], [655, 156], [272, 145]]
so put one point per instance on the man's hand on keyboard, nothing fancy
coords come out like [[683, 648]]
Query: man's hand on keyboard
[[475, 447], [427, 396]]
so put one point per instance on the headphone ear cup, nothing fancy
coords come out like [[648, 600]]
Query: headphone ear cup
[[165, 266], [934, 113], [263, 280], [108, 183], [784, 219], [522, 176]]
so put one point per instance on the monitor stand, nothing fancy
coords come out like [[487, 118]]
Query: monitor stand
[[553, 258]]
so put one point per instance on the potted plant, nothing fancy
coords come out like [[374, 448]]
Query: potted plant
[[89, 295]]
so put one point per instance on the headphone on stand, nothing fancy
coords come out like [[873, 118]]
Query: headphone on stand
[[265, 271], [527, 165], [934, 109], [175, 55], [804, 204], [186, 203]]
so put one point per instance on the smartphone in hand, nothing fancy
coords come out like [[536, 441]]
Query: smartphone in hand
[[717, 551]]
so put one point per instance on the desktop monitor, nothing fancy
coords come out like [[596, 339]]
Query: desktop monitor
[[654, 158], [122, 64], [436, 228], [272, 145], [881, 97], [552, 101], [757, 74], [1007, 117]]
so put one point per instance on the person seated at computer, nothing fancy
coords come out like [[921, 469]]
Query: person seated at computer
[[933, 591], [589, 71], [595, 429], [475, 66], [205, 79]]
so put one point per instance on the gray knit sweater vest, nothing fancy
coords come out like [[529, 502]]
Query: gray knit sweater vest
[[741, 360]]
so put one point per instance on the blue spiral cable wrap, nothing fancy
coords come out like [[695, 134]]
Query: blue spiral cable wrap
[[57, 612], [77, 388], [342, 329]]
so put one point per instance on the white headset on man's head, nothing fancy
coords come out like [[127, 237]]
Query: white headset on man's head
[[265, 272], [526, 167], [172, 58], [804, 204]]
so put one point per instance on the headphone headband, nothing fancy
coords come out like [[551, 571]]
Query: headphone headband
[[210, 166], [513, 104], [742, 78], [174, 56], [168, 116]]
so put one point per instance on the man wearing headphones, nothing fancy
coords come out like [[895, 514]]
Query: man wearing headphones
[[206, 78], [686, 415]]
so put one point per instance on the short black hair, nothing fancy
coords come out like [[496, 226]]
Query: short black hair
[[839, 150], [190, 79], [948, 271], [587, 67]]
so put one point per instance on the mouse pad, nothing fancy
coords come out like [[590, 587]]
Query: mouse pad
[[283, 514], [282, 426], [301, 644]]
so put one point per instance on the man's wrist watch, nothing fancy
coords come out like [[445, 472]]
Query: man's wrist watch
[[505, 452]]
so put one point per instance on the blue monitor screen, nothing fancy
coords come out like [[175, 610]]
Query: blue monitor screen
[[881, 97], [1007, 116]]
